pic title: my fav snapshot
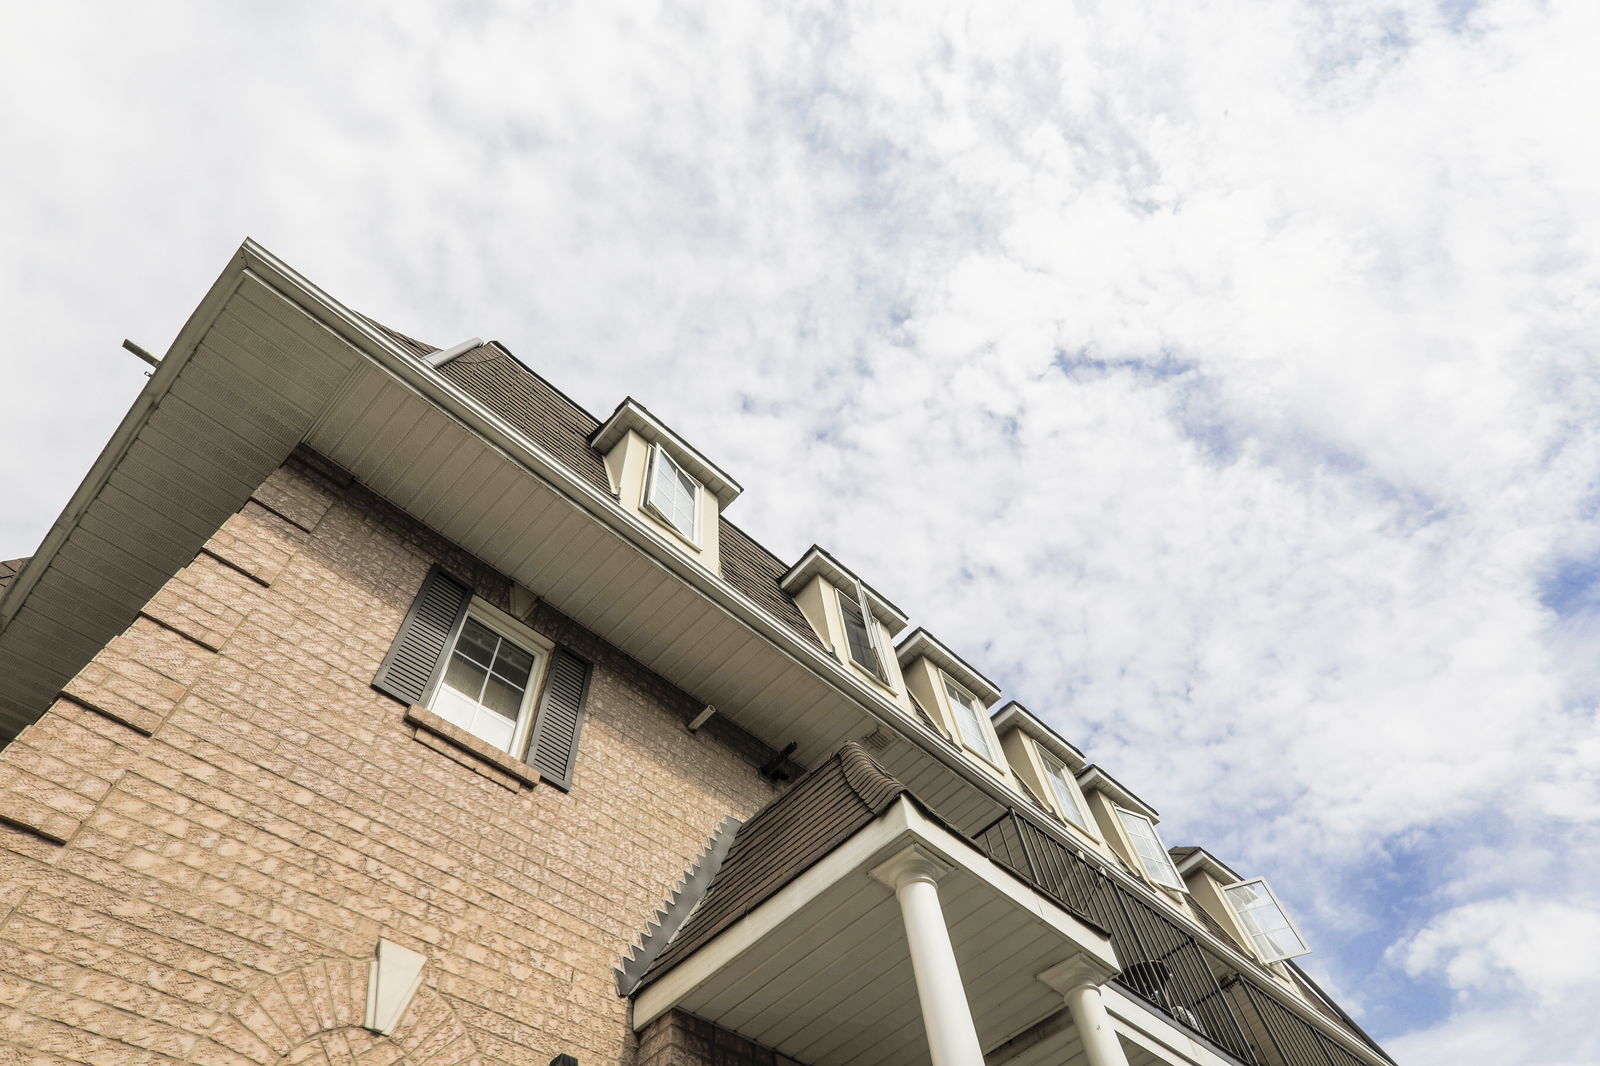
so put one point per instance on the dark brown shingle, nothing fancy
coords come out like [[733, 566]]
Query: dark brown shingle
[[8, 571], [826, 807], [558, 425]]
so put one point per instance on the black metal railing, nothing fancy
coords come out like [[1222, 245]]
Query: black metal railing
[[1162, 961]]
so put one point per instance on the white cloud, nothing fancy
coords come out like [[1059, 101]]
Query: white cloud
[[1223, 380]]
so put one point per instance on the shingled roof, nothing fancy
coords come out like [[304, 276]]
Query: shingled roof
[[558, 425], [826, 807], [8, 571]]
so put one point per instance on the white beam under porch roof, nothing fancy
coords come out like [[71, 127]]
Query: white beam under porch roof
[[820, 970]]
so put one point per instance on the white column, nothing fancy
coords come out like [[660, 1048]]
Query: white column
[[1079, 980], [946, 1017]]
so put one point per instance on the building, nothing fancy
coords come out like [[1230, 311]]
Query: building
[[373, 703]]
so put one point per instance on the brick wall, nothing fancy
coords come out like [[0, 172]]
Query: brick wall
[[679, 1039], [203, 839]]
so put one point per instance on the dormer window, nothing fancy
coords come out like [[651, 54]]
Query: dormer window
[[969, 720], [1151, 852], [657, 477], [863, 649], [1055, 773], [1271, 933], [672, 494]]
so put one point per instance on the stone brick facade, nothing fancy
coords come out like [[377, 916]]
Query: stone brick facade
[[679, 1039], [204, 838]]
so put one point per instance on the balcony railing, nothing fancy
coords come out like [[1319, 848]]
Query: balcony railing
[[1163, 962]]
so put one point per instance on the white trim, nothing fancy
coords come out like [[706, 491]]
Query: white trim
[[1092, 777], [1161, 850], [506, 627], [901, 825], [650, 506], [879, 670], [630, 414], [1255, 942], [923, 644], [990, 752], [818, 560], [1069, 785], [1014, 715]]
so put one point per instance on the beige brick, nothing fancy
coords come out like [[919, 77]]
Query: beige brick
[[235, 850]]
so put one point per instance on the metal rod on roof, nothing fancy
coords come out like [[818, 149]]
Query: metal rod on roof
[[140, 352]]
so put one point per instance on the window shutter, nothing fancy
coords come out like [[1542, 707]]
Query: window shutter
[[553, 748], [425, 636]]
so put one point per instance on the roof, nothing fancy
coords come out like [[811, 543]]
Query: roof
[[830, 804], [558, 425], [631, 415], [8, 570], [1015, 716], [1093, 777], [923, 643], [818, 560], [1192, 857]]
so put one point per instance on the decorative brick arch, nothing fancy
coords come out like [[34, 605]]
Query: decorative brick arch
[[315, 1014]]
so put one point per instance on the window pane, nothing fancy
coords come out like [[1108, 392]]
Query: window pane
[[477, 642], [485, 684], [1265, 921], [514, 664], [1157, 863], [1057, 773], [672, 492], [493, 729], [503, 699], [972, 731], [465, 677], [856, 636]]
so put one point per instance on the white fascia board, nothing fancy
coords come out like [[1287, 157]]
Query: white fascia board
[[817, 561], [1015, 716], [1098, 780], [161, 380], [631, 414], [901, 825], [922, 644]]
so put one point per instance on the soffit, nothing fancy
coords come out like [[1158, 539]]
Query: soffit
[[227, 404], [821, 973]]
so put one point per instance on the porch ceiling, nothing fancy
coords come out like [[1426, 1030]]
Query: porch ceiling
[[821, 971]]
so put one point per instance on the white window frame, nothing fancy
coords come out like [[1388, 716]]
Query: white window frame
[[878, 669], [1059, 779], [1250, 931], [653, 505], [507, 628], [987, 753], [1167, 867]]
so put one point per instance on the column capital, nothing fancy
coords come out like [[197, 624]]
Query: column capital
[[1079, 971], [913, 863]]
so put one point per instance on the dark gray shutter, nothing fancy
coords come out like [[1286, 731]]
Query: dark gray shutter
[[553, 748], [425, 637]]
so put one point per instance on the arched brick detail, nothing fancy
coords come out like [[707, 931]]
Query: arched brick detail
[[314, 1014]]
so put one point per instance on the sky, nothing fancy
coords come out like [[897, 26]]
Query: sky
[[1221, 378]]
